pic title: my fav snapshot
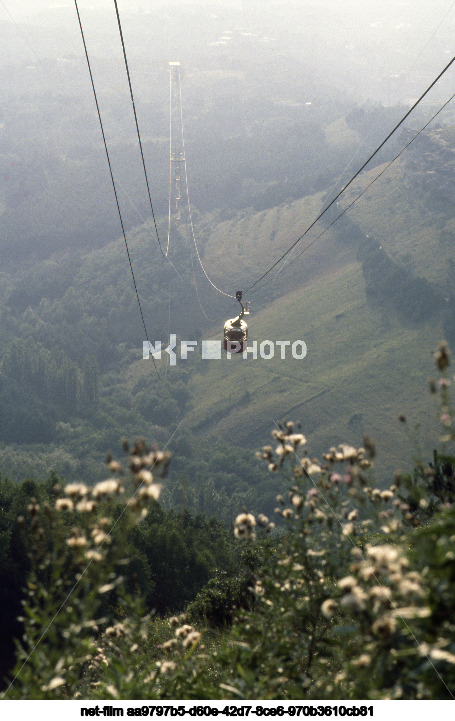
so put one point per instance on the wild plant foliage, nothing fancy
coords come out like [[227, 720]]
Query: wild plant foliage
[[350, 595]]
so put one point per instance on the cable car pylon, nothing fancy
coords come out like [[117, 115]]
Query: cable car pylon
[[235, 329], [176, 147]]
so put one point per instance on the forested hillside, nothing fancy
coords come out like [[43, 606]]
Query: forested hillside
[[72, 350]]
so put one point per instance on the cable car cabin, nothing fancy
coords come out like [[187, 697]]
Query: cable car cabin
[[236, 330], [235, 335]]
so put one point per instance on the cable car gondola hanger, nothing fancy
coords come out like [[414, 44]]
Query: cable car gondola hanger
[[236, 329]]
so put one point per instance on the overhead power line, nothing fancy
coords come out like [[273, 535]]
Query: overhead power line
[[112, 177], [354, 176]]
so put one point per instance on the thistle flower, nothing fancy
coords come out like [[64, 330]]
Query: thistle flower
[[384, 626], [365, 463], [136, 463], [166, 666], [33, 507], [382, 555], [438, 654], [168, 645], [183, 631], [64, 504], [348, 452], [348, 529], [297, 439], [156, 458], [192, 638], [386, 495], [259, 588], [284, 450], [99, 536], [142, 515], [366, 572], [85, 506], [347, 584], [412, 612], [297, 500], [329, 608], [408, 587], [262, 520], [381, 594], [76, 539], [93, 555], [54, 683], [313, 468], [244, 525], [76, 489], [117, 630], [107, 488], [355, 600], [153, 491], [363, 661], [145, 477]]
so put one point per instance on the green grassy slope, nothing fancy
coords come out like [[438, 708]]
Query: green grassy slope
[[360, 373], [412, 214], [363, 368]]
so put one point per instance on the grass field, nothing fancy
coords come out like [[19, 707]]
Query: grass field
[[359, 374], [363, 368]]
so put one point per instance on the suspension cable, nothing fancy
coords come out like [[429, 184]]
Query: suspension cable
[[188, 197], [170, 162], [112, 178], [355, 175], [137, 123], [366, 188]]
